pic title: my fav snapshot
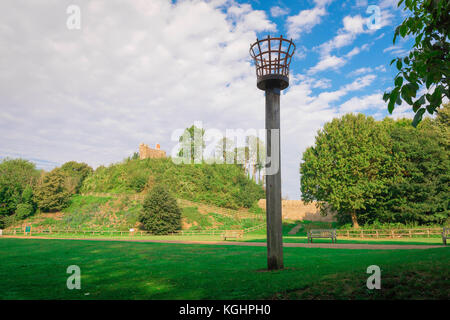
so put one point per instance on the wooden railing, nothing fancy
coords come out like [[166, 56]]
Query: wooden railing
[[88, 232], [389, 233], [260, 226]]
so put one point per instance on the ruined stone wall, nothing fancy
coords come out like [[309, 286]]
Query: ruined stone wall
[[145, 152], [298, 210]]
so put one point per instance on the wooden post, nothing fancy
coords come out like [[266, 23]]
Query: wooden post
[[273, 182]]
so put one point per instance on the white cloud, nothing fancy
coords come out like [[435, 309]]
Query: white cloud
[[278, 11], [359, 104], [396, 50], [305, 20], [360, 71], [327, 62]]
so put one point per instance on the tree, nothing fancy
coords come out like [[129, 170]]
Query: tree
[[15, 176], [192, 144], [76, 173], [160, 212], [419, 193], [135, 156], [348, 166], [225, 150], [51, 192], [428, 63]]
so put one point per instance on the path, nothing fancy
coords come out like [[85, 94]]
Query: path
[[259, 244], [295, 229]]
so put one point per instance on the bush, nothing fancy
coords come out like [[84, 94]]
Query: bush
[[15, 176], [160, 212], [24, 210], [76, 173], [51, 193]]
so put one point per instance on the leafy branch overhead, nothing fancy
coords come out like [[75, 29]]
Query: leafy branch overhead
[[428, 63]]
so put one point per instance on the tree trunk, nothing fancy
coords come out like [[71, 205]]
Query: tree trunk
[[354, 220]]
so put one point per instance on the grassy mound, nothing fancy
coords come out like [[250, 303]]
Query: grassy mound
[[221, 185], [121, 212]]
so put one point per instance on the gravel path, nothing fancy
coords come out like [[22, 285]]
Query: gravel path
[[260, 244]]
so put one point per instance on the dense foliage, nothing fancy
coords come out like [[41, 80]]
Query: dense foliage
[[428, 63], [380, 171], [17, 177], [160, 212], [224, 185], [76, 173], [51, 193], [349, 165]]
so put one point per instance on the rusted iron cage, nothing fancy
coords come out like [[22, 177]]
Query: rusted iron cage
[[272, 58]]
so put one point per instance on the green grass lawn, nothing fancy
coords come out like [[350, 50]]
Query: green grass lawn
[[36, 269]]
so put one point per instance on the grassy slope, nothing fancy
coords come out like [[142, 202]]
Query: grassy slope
[[36, 269], [121, 212], [221, 185]]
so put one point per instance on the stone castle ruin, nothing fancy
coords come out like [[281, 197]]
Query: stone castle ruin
[[145, 152]]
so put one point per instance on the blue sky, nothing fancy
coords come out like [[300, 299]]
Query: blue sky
[[138, 71]]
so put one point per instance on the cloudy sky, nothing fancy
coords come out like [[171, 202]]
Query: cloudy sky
[[136, 71]]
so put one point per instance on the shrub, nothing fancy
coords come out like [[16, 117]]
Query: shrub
[[15, 176], [76, 173], [24, 210], [51, 193], [160, 212]]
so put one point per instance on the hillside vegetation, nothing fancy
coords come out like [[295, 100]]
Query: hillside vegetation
[[121, 212], [221, 185]]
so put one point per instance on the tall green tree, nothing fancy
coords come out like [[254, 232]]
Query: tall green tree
[[420, 192], [76, 173], [51, 192], [428, 63], [15, 176], [348, 166]]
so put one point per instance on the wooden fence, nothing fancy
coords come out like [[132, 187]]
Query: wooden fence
[[389, 233], [115, 233]]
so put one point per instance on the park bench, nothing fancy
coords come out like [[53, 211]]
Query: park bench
[[445, 235], [322, 233], [233, 234]]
